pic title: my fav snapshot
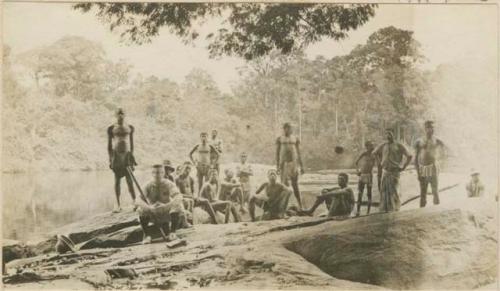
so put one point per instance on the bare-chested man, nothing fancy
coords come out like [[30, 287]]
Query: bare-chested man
[[390, 155], [210, 191], [339, 200], [216, 142], [244, 172], [186, 186], [203, 161], [428, 151], [364, 167], [289, 160], [231, 190], [274, 200], [120, 150]]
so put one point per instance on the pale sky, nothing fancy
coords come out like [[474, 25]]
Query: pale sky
[[448, 34]]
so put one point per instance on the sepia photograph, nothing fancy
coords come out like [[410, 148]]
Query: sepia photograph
[[250, 145]]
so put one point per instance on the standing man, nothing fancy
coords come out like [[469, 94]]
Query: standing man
[[428, 151], [364, 167], [288, 160], [120, 151], [217, 144], [244, 171], [391, 153], [204, 152]]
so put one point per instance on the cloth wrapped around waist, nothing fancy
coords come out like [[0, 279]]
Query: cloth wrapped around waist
[[366, 178], [428, 171]]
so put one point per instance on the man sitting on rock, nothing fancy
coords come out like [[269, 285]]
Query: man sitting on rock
[[185, 183], [274, 201], [231, 190], [164, 208], [339, 200], [210, 191], [474, 188]]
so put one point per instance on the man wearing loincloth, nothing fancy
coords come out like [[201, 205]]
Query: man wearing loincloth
[[274, 200], [339, 200], [210, 192], [364, 167], [244, 172], [289, 160], [206, 154], [185, 183], [120, 151], [216, 142], [231, 190], [165, 209], [428, 151], [391, 157]]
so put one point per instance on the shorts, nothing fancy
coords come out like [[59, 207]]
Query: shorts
[[120, 161], [289, 170], [202, 169], [161, 213]]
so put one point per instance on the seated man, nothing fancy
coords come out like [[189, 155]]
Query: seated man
[[210, 190], [185, 183], [274, 201], [230, 189], [339, 200], [474, 188], [164, 206]]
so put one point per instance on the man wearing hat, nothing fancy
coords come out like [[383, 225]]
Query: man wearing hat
[[243, 172], [428, 151], [120, 151], [390, 157], [169, 170], [274, 200], [474, 188], [206, 154]]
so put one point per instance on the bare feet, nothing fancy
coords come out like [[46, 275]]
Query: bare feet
[[117, 209]]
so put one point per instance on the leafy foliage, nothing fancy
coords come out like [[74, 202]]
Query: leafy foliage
[[251, 30]]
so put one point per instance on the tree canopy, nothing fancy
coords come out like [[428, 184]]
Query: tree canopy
[[247, 30]]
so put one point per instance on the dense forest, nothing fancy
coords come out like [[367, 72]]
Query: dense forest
[[59, 100]]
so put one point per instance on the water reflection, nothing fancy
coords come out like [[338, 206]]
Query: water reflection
[[34, 203]]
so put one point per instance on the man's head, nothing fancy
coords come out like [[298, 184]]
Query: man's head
[[243, 157], [229, 173], [187, 169], [213, 175], [120, 115], [272, 176], [158, 172], [475, 176], [342, 180], [287, 128], [203, 137], [214, 133], [369, 146], [429, 128], [389, 135], [168, 168]]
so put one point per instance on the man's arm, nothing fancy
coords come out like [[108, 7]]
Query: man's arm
[[336, 192], [192, 152], [356, 164], [297, 146], [262, 187], [417, 154], [407, 155], [110, 142], [215, 151], [191, 184], [278, 149], [132, 129]]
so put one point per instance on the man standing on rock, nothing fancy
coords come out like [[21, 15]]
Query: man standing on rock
[[216, 142], [391, 153], [364, 166], [428, 150], [165, 209], [120, 151], [274, 201], [289, 160], [204, 159], [339, 200]]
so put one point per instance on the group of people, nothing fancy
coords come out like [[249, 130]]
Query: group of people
[[168, 201]]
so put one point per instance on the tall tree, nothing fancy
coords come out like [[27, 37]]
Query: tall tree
[[249, 30]]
